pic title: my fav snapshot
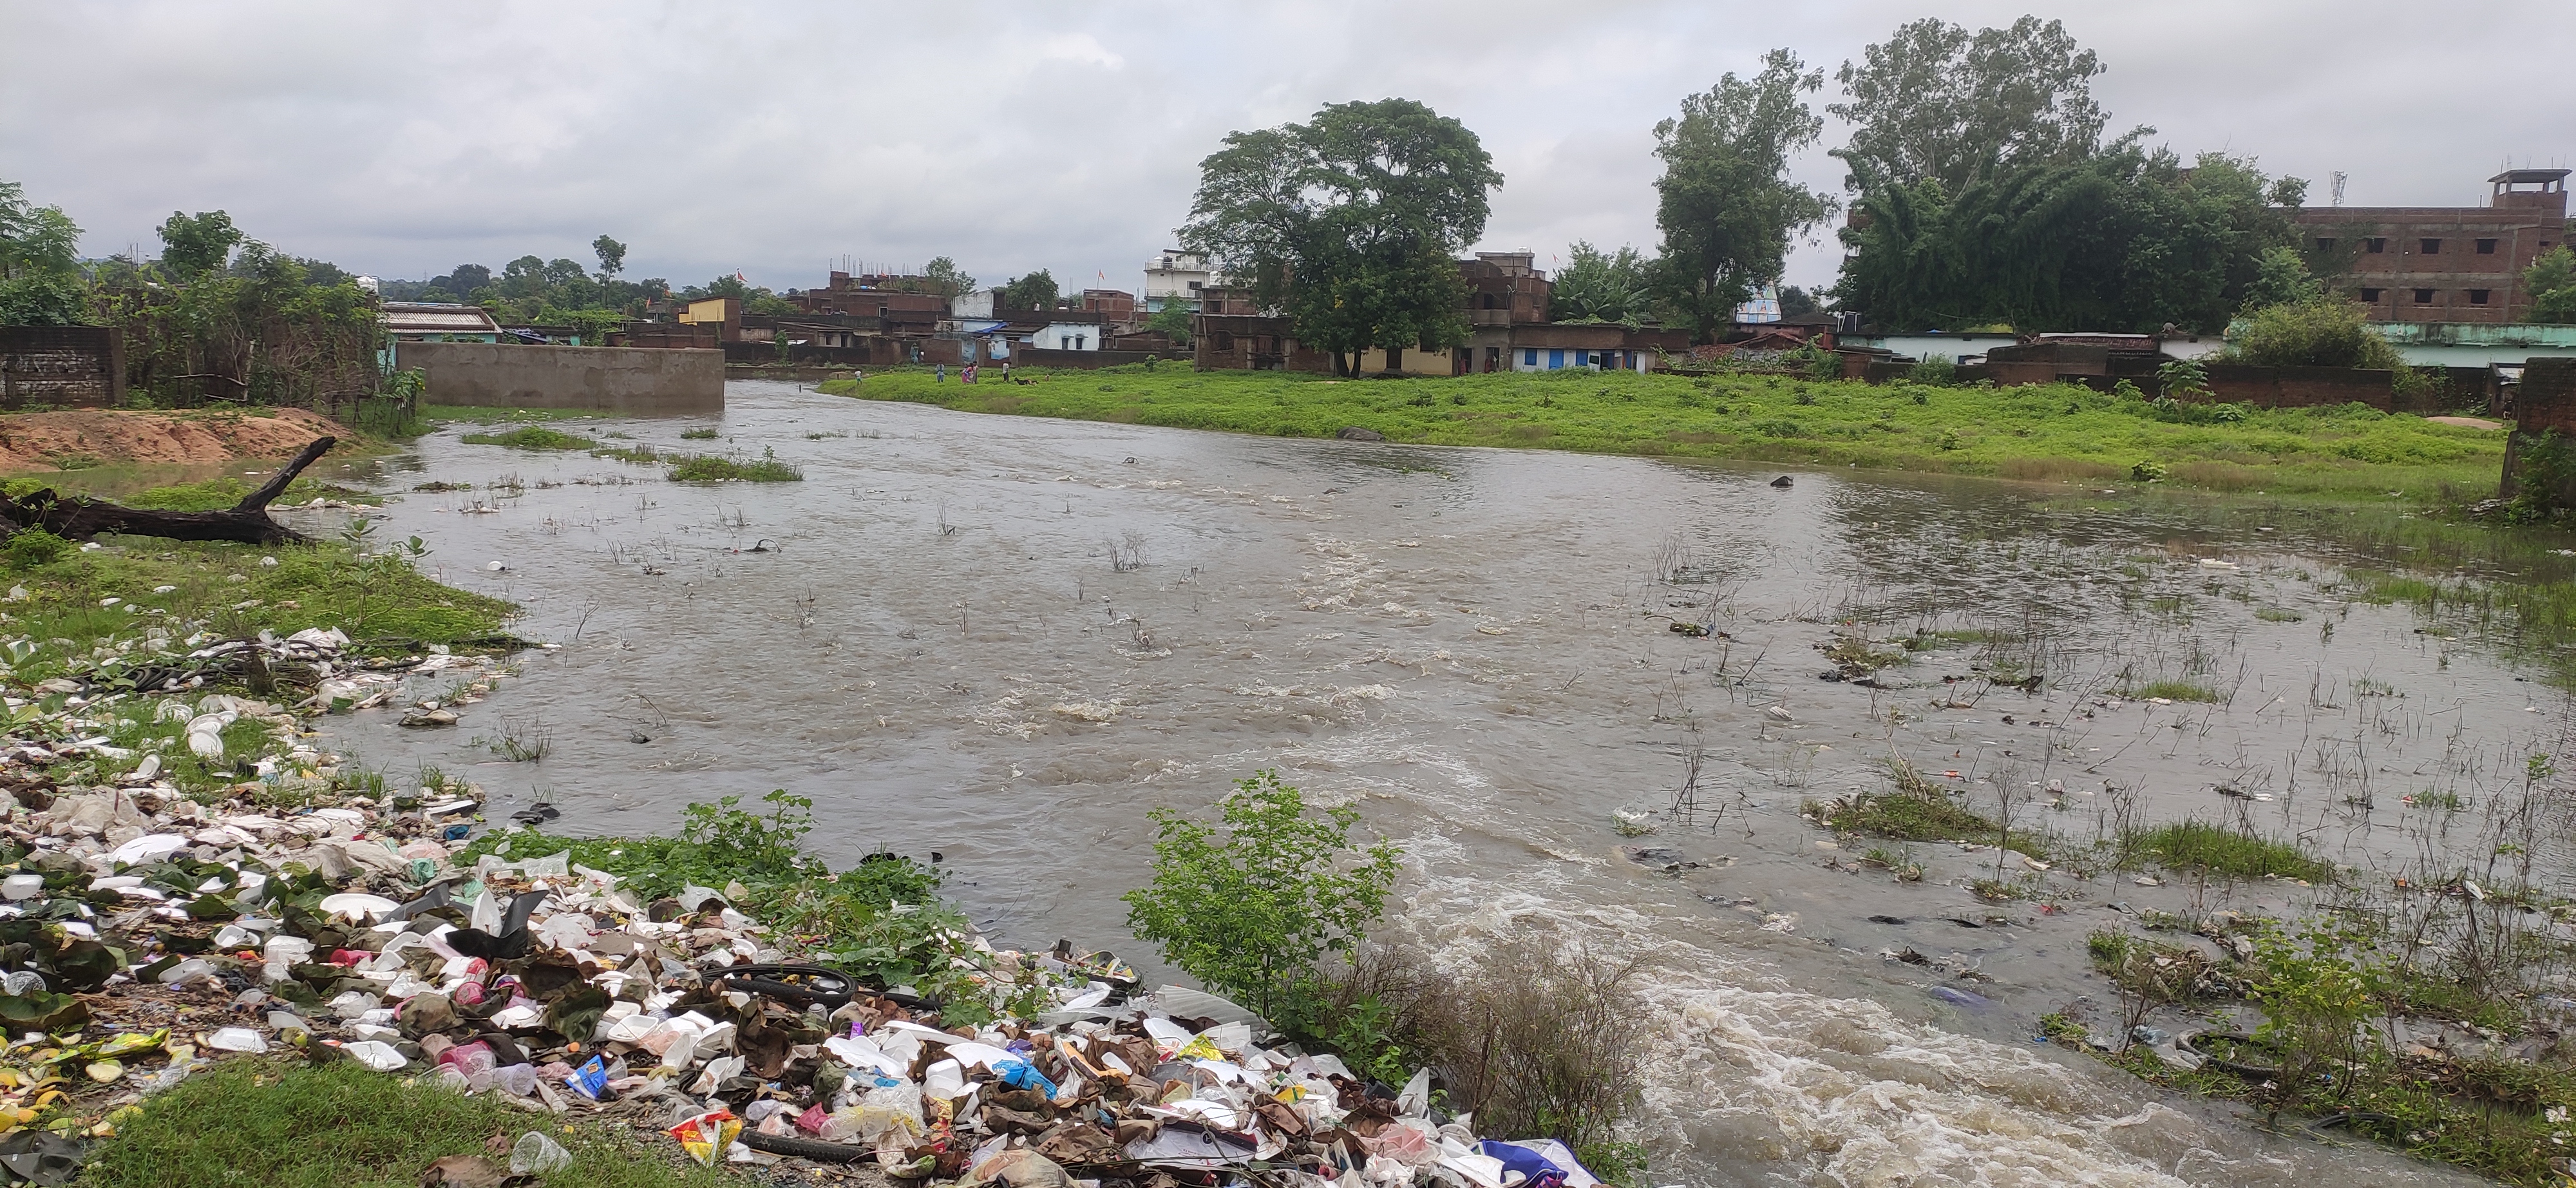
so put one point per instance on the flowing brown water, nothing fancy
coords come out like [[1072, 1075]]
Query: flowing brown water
[[1006, 639]]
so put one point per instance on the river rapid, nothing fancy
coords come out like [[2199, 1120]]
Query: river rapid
[[1004, 640]]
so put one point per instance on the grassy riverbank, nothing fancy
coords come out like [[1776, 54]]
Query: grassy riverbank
[[2058, 433]]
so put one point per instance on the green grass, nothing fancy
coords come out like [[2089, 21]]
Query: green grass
[[2057, 433], [2216, 849], [643, 455], [700, 434], [61, 622], [2179, 691], [475, 414], [222, 491], [531, 437], [1915, 810], [708, 468], [342, 1126], [2488, 1116]]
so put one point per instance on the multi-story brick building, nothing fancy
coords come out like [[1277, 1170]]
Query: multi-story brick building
[[2445, 264]]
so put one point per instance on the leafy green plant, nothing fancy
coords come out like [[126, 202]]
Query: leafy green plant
[[2324, 332], [2316, 989], [1252, 905], [2182, 379], [700, 434], [1937, 370], [31, 547]]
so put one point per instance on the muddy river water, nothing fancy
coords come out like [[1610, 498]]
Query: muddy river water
[[1005, 640]]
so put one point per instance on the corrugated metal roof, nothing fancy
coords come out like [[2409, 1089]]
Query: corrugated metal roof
[[405, 317]]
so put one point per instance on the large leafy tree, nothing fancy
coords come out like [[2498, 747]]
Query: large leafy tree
[[1599, 286], [1037, 290], [2551, 281], [612, 257], [945, 278], [1350, 223], [192, 245], [1935, 102], [1725, 203], [40, 282], [2125, 240]]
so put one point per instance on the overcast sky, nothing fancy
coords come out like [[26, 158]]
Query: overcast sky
[[779, 138]]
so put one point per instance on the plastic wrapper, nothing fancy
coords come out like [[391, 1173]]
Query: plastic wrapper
[[708, 1136]]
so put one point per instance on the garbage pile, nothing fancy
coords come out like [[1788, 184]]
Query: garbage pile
[[145, 932]]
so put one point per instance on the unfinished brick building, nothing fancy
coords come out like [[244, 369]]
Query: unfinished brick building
[[2446, 264]]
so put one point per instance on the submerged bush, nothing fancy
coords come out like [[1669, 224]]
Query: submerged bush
[[1251, 907], [531, 437], [1539, 1037], [707, 468]]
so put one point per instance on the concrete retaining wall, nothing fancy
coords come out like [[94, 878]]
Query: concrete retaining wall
[[633, 381], [61, 366]]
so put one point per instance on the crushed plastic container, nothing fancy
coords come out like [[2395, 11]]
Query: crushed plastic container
[[535, 1154]]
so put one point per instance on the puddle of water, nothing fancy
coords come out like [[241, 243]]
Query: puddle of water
[[1004, 640]]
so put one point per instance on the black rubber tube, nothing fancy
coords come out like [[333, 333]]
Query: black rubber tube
[[2251, 1072]]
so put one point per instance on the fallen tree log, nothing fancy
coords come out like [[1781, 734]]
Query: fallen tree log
[[80, 518]]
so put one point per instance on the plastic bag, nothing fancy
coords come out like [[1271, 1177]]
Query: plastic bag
[[708, 1136], [590, 1080], [888, 1114]]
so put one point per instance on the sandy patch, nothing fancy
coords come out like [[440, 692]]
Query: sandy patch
[[2469, 422], [45, 440]]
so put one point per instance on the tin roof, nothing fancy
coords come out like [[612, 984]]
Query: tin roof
[[426, 317]]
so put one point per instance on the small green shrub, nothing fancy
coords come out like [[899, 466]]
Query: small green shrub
[[2323, 332], [31, 547], [697, 435], [1251, 907], [1937, 371]]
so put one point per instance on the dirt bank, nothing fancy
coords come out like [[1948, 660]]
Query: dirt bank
[[75, 440]]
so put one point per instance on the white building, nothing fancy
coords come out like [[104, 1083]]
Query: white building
[[1066, 336], [979, 304], [1176, 275]]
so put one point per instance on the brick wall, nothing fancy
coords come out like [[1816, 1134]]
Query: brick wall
[[2545, 401], [628, 381], [62, 366], [2300, 387]]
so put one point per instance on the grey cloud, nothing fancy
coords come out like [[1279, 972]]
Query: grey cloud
[[775, 138]]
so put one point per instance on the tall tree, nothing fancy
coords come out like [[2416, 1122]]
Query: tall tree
[[40, 282], [2551, 281], [193, 245], [1350, 223], [34, 239], [1725, 203], [945, 278], [612, 257], [1037, 290], [2128, 240], [1936, 102]]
